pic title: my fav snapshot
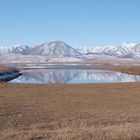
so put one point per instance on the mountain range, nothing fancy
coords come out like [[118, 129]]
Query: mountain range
[[17, 49], [62, 52], [123, 51]]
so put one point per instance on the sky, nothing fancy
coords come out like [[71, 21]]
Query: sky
[[79, 23]]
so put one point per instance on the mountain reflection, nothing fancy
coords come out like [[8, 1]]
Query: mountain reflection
[[60, 76]]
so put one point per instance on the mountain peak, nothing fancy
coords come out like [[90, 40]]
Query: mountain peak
[[55, 49], [124, 44], [18, 49], [56, 42]]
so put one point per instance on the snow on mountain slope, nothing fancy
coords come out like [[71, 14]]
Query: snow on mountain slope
[[17, 49], [18, 58], [58, 51], [124, 50], [55, 49]]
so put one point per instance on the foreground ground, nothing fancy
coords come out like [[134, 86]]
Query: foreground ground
[[65, 112]]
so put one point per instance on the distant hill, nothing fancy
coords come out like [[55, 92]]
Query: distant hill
[[54, 49]]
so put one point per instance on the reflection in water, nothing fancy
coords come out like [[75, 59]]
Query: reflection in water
[[54, 76]]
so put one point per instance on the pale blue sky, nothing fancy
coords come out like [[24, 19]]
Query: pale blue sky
[[77, 22]]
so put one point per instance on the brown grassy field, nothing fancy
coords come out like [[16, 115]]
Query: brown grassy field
[[70, 112]]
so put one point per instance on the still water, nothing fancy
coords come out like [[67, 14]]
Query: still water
[[75, 76]]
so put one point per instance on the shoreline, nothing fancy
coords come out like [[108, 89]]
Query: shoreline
[[132, 70], [7, 74]]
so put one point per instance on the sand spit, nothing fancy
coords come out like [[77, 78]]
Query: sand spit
[[7, 74]]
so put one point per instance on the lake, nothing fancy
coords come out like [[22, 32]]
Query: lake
[[73, 76]]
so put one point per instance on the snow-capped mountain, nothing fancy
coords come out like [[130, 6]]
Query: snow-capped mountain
[[58, 51], [17, 49], [55, 49], [124, 50]]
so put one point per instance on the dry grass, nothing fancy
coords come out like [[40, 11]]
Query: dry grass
[[65, 112], [3, 69], [134, 70], [125, 69], [73, 132]]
